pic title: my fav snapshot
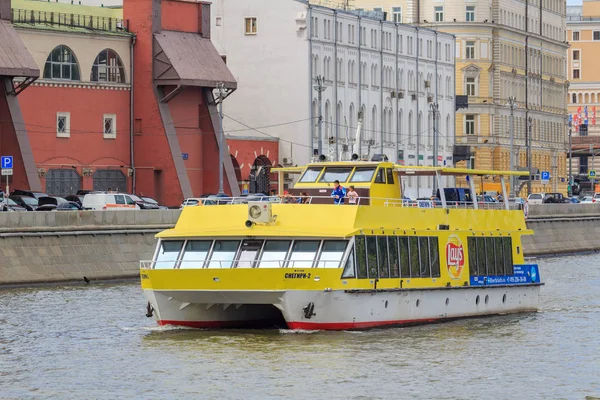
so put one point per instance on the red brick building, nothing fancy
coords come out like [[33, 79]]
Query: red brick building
[[100, 98]]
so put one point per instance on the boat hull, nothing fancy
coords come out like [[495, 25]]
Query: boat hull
[[338, 309]]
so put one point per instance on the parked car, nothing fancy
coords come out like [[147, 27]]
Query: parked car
[[535, 198], [109, 201], [455, 196], [75, 198], [555, 198], [486, 199], [6, 204], [190, 202], [596, 198], [144, 205], [152, 201], [574, 200], [586, 199], [19, 192], [27, 202]]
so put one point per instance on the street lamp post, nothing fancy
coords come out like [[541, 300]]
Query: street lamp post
[[512, 101], [320, 89], [434, 110], [571, 156]]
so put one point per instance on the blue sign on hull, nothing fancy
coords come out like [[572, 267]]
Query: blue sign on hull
[[524, 273]]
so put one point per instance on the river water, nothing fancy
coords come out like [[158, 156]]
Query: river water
[[94, 342]]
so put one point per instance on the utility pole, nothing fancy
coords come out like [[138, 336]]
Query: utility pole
[[221, 88], [593, 178], [570, 157], [528, 148], [511, 166], [434, 109], [320, 89]]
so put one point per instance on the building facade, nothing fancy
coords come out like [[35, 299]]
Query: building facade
[[121, 98], [397, 79], [583, 34], [505, 48]]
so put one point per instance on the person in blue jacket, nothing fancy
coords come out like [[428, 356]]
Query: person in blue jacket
[[338, 193]]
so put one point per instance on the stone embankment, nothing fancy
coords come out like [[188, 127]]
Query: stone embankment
[[102, 245]]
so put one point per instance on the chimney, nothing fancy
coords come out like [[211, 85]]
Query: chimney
[[204, 23], [5, 10]]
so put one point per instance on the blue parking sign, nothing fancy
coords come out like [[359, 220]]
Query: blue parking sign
[[545, 175], [7, 162]]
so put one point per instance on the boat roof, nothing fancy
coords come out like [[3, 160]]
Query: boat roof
[[402, 169]]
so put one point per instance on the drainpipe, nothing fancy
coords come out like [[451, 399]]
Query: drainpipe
[[360, 79], [381, 108], [418, 90], [397, 89], [310, 80], [335, 88], [131, 118]]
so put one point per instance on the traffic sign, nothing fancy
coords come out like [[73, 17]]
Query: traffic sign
[[7, 162], [545, 177], [592, 173], [7, 171]]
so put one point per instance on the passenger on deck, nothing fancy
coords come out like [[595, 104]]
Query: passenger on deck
[[338, 193], [303, 198], [352, 195]]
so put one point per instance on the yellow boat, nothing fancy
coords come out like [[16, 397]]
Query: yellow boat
[[302, 262]]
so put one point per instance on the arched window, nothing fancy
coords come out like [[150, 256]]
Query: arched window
[[374, 124], [108, 68], [62, 64], [410, 127]]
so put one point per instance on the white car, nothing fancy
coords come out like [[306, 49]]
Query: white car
[[108, 201], [535, 198], [587, 199]]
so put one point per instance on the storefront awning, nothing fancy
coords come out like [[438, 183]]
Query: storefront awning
[[188, 59], [15, 60]]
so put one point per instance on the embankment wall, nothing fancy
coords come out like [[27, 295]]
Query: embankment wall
[[101, 245]]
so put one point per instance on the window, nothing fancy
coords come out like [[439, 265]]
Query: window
[[350, 269], [574, 98], [596, 35], [380, 177], [470, 50], [108, 68], [63, 124], [575, 36], [470, 14], [251, 26], [335, 174], [332, 253], [576, 54], [470, 124], [363, 175], [382, 252], [223, 253], [491, 256], [361, 256], [195, 254], [61, 64], [303, 253], [119, 199], [397, 14], [390, 176], [470, 86], [576, 74], [274, 253], [110, 126], [167, 254], [249, 253], [439, 13], [311, 175]]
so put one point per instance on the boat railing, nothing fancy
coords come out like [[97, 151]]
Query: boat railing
[[239, 263], [389, 202]]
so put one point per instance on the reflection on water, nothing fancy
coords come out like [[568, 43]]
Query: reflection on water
[[95, 342]]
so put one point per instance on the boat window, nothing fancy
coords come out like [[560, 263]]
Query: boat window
[[390, 176], [274, 252], [489, 259], [394, 259], [382, 250], [332, 253], [481, 256], [380, 176], [333, 174], [472, 249], [509, 268], [404, 256], [499, 256], [361, 255], [425, 270], [372, 256], [248, 253], [303, 254], [413, 249], [349, 269], [195, 254], [363, 175], [434, 256], [311, 175], [223, 253], [168, 254]]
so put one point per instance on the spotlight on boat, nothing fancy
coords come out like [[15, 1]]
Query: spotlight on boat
[[354, 157], [322, 158], [249, 224]]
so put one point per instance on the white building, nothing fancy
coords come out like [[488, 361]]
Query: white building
[[394, 73]]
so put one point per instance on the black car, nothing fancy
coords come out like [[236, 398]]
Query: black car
[[76, 198], [19, 192], [55, 203], [27, 202], [10, 205], [144, 205], [152, 201]]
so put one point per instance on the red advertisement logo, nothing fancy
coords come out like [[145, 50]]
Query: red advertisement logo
[[455, 257]]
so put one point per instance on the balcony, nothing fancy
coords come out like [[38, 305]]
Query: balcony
[[54, 19]]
